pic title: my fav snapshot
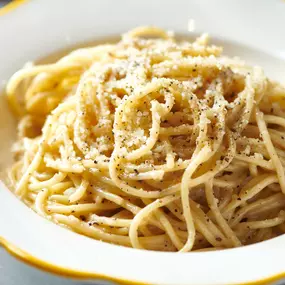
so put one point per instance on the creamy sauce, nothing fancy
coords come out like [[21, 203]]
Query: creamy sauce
[[7, 134], [8, 123], [270, 64]]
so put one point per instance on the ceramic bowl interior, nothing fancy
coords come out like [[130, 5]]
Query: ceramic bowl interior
[[250, 30]]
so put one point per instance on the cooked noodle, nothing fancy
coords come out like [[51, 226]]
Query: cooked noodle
[[152, 143]]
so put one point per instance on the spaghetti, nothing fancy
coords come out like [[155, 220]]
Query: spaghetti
[[152, 143]]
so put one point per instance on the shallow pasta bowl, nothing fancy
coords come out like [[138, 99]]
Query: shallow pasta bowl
[[38, 28]]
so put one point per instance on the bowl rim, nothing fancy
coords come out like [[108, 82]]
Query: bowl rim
[[11, 6], [29, 259], [41, 264]]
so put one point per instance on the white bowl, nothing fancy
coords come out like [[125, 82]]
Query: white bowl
[[250, 29]]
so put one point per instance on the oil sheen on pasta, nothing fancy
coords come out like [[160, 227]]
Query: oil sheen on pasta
[[152, 143]]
